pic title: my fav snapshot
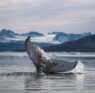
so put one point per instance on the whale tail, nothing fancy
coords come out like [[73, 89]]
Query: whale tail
[[42, 63]]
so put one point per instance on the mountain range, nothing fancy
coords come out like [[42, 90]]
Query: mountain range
[[85, 44], [53, 41], [64, 37], [4, 33], [61, 37]]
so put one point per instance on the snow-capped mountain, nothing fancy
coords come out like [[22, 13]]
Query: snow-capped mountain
[[64, 37], [10, 41], [53, 37], [85, 44], [8, 35], [5, 34]]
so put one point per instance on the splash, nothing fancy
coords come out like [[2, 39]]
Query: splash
[[79, 68]]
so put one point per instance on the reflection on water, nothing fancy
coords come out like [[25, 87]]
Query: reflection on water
[[41, 82], [17, 75], [50, 82]]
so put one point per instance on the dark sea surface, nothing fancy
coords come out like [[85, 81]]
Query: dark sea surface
[[18, 75]]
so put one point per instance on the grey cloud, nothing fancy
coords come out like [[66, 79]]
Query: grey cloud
[[47, 15]]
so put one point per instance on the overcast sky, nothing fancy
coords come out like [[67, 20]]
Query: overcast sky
[[71, 16]]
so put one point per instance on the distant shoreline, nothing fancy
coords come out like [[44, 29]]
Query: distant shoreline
[[56, 54]]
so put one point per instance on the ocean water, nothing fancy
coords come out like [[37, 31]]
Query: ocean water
[[18, 75]]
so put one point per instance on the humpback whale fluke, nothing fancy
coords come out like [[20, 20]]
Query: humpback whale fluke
[[43, 64]]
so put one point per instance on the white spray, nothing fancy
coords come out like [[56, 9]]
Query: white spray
[[79, 68]]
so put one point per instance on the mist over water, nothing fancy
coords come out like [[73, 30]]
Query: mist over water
[[17, 75]]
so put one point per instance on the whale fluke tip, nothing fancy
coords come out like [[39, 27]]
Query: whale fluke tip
[[28, 38]]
